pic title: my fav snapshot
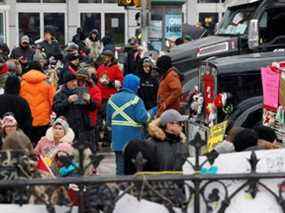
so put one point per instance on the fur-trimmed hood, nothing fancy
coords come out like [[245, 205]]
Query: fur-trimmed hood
[[156, 132], [67, 138]]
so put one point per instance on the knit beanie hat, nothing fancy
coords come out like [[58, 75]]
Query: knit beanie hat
[[62, 122], [164, 63], [266, 133], [131, 82], [8, 120], [65, 147], [12, 85], [83, 73], [67, 76], [245, 139]]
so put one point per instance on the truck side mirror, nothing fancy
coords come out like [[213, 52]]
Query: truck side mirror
[[253, 34]]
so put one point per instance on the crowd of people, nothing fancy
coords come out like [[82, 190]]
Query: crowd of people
[[53, 98]]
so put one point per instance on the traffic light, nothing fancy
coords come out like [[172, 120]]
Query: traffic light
[[126, 3], [129, 3]]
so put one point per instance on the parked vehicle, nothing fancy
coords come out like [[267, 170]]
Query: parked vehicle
[[248, 26], [233, 85]]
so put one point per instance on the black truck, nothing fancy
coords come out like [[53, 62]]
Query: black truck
[[248, 26], [240, 78]]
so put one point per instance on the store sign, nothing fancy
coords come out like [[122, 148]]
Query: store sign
[[173, 26]]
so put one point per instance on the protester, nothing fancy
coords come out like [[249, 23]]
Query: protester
[[93, 43], [126, 114], [4, 49], [3, 73], [170, 86], [168, 141], [9, 126], [60, 132], [109, 75], [79, 37], [74, 104], [39, 94], [24, 53], [108, 42], [10, 101], [248, 140], [50, 46], [72, 65], [148, 84]]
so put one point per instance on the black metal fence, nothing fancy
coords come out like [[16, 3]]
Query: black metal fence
[[190, 193]]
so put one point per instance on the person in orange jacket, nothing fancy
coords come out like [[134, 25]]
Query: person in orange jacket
[[39, 93], [170, 86]]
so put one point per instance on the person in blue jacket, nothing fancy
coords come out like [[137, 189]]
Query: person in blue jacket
[[127, 116]]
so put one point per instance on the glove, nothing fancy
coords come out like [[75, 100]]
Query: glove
[[117, 84]]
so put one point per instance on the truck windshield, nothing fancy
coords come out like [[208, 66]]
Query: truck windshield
[[236, 20]]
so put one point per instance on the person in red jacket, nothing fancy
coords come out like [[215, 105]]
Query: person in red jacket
[[84, 81], [109, 75]]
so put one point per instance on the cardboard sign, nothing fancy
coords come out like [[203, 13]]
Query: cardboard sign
[[282, 89], [270, 84], [216, 134]]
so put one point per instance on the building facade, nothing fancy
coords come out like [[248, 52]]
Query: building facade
[[32, 17], [205, 12]]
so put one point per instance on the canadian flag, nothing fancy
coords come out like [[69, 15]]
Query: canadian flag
[[42, 166]]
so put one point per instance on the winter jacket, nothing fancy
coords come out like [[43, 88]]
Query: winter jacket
[[96, 97], [171, 151], [169, 91], [22, 52], [51, 49], [3, 75], [148, 89], [20, 108], [93, 46], [122, 130], [76, 114], [112, 73], [39, 94]]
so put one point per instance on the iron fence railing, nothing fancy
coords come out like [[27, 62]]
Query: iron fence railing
[[173, 190]]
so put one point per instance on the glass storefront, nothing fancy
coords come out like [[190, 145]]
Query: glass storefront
[[55, 22], [115, 26], [90, 21], [29, 24]]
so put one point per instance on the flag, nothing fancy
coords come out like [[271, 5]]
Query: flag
[[42, 166]]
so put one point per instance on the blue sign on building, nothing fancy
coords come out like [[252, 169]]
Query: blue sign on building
[[173, 26]]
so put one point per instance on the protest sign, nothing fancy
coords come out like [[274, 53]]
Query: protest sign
[[216, 134], [270, 84]]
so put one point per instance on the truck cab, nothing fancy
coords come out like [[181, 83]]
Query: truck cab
[[248, 26], [239, 79]]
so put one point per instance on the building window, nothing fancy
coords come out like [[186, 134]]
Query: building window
[[115, 27], [111, 1], [55, 23], [90, 21], [29, 24], [2, 25], [90, 1]]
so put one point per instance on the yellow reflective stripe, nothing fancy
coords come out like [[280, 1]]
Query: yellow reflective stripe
[[120, 110], [125, 123]]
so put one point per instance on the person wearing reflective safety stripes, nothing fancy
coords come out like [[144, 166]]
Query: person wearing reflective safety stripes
[[127, 116]]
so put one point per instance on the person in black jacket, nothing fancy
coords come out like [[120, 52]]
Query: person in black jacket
[[148, 84], [50, 46], [10, 101], [24, 53], [74, 104]]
